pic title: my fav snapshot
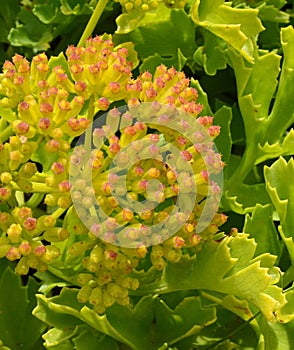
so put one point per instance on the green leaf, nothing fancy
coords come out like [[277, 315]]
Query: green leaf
[[64, 311], [270, 151], [286, 313], [59, 339], [212, 56], [234, 26], [8, 14], [272, 14], [129, 21], [281, 193], [241, 200], [202, 97], [154, 38], [31, 33], [16, 304], [275, 336], [223, 118], [136, 323], [49, 281], [282, 115], [46, 13], [61, 311], [187, 319], [240, 274], [256, 85], [152, 62], [70, 7], [260, 226], [89, 340]]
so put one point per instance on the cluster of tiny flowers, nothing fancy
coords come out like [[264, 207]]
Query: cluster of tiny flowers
[[149, 5], [52, 189]]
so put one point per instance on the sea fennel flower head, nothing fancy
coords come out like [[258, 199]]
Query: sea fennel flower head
[[122, 167]]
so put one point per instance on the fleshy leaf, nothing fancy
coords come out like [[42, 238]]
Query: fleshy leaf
[[256, 85], [260, 226], [270, 151], [152, 62], [234, 26], [88, 340], [61, 311], [154, 37], [239, 274], [49, 281], [286, 313], [212, 56], [202, 97], [242, 201], [64, 311], [271, 13], [282, 115], [16, 305], [282, 195], [30, 33], [223, 142], [8, 14], [188, 318], [275, 336], [59, 339], [46, 13], [127, 22]]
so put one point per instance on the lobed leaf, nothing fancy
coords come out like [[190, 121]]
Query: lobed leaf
[[17, 303], [234, 26], [260, 226], [281, 193]]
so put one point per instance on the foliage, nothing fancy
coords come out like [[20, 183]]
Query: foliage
[[229, 287]]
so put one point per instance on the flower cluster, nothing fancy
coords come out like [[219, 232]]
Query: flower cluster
[[128, 195]]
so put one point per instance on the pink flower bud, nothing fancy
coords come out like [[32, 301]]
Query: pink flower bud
[[5, 193], [178, 242], [13, 254], [64, 186], [30, 224], [39, 251], [103, 103], [25, 248], [57, 168], [44, 123]]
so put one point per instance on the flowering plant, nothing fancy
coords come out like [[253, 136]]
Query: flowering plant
[[137, 211]]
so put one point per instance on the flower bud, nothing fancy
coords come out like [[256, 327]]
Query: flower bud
[[13, 254], [96, 296], [14, 233], [78, 248], [56, 234], [22, 268], [5, 177], [25, 248], [84, 294]]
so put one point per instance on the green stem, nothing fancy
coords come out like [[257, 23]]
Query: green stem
[[4, 134], [245, 166], [93, 21], [58, 212], [90, 117], [35, 200]]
